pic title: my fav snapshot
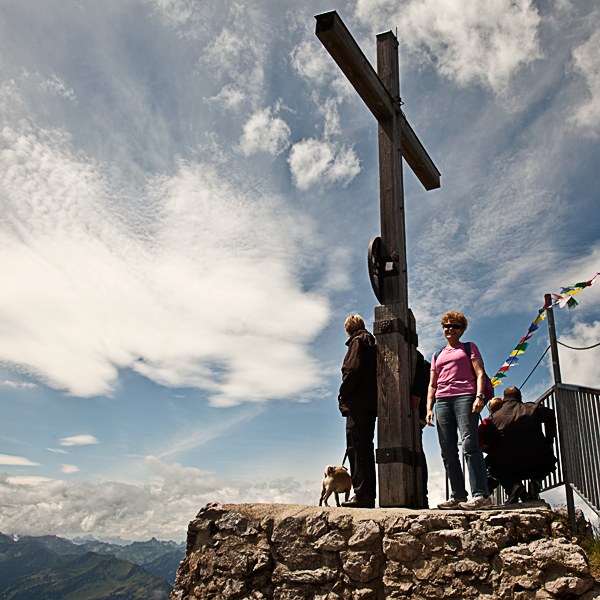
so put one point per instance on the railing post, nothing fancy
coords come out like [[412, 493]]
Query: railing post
[[560, 398]]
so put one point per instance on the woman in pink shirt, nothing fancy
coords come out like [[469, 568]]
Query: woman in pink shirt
[[456, 387]]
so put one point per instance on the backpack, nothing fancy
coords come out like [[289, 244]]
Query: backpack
[[488, 390]]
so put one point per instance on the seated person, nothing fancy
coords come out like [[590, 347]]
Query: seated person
[[522, 449]]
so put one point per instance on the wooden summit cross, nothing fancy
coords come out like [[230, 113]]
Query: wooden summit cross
[[398, 437]]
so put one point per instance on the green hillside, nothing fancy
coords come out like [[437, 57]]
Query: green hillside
[[29, 571], [159, 558]]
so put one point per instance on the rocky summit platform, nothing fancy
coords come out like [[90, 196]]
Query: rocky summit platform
[[285, 552]]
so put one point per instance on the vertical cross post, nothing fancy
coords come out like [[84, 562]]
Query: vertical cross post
[[398, 442], [398, 437]]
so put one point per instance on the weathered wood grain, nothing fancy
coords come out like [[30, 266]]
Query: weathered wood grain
[[383, 101], [398, 435]]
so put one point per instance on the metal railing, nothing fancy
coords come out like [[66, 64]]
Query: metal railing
[[578, 418], [555, 479], [577, 445]]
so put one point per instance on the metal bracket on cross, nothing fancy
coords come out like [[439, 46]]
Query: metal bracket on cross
[[380, 266], [391, 325], [400, 454]]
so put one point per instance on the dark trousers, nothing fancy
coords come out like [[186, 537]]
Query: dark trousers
[[424, 473], [360, 430]]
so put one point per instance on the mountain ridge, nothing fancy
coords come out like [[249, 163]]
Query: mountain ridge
[[53, 568]]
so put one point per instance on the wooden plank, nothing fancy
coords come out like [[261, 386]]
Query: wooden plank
[[339, 42], [399, 482], [343, 48], [391, 201], [417, 158]]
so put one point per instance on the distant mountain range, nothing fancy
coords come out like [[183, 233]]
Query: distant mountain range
[[53, 568]]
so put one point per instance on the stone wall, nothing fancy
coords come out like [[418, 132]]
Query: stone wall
[[284, 552]]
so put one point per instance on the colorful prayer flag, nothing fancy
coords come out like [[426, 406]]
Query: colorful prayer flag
[[565, 298]]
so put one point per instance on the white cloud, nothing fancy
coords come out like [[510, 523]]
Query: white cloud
[[316, 162], [79, 440], [311, 61], [332, 117], [18, 384], [57, 87], [580, 367], [586, 62], [237, 53], [68, 469], [189, 18], [265, 133], [57, 450], [17, 461], [469, 41], [29, 480], [229, 98], [163, 507], [199, 288]]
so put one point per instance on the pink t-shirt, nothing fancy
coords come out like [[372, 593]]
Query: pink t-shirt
[[454, 369]]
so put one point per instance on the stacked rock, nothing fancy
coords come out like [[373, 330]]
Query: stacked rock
[[285, 552]]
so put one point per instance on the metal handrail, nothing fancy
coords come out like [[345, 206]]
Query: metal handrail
[[577, 445]]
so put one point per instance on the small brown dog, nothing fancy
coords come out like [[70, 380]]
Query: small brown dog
[[336, 480]]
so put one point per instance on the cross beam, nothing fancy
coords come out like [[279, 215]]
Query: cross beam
[[354, 64], [398, 435]]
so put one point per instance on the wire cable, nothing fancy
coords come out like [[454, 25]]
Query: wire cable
[[534, 368], [572, 348]]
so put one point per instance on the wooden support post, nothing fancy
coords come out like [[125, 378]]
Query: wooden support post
[[397, 446]]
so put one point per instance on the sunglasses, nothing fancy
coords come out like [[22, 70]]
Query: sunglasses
[[451, 326]]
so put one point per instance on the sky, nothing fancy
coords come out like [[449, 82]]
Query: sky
[[188, 190]]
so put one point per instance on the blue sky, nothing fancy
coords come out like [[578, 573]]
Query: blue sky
[[188, 192]]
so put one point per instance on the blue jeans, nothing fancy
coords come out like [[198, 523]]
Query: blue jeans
[[456, 413]]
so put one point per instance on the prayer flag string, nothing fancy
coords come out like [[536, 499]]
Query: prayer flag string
[[565, 298]]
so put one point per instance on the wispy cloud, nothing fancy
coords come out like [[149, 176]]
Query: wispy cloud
[[585, 58], [69, 469], [18, 384], [17, 461], [57, 450], [581, 366], [482, 41], [312, 62], [236, 55], [187, 302], [79, 440], [190, 437], [189, 18], [52, 84]]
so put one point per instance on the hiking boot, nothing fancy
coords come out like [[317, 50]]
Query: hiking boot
[[452, 504], [517, 491], [360, 501], [477, 503]]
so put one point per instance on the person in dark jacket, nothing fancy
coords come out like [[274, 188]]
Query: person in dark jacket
[[522, 450], [358, 403], [419, 400]]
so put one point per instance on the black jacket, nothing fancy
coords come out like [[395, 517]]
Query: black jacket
[[421, 384], [514, 434], [359, 374]]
